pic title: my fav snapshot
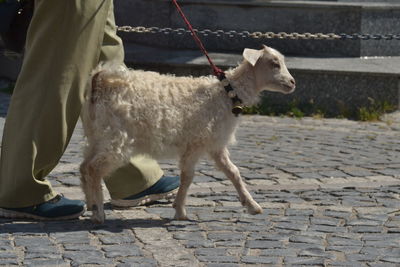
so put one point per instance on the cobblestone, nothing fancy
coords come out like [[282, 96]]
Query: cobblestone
[[88, 257], [8, 262], [330, 190], [111, 239], [219, 259], [261, 260], [121, 251], [46, 262], [7, 255], [145, 262]]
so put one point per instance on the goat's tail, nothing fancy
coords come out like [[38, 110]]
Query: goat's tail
[[107, 79]]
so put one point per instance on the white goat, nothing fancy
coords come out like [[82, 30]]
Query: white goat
[[129, 112]]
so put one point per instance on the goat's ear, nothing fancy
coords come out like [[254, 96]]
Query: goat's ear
[[267, 49], [252, 55]]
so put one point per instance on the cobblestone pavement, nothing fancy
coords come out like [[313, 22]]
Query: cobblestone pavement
[[330, 190]]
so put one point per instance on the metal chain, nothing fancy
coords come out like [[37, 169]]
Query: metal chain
[[262, 35]]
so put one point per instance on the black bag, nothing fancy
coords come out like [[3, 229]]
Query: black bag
[[15, 16]]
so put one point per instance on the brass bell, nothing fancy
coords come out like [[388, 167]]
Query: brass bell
[[237, 109]]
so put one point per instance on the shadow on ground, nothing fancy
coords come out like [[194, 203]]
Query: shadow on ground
[[114, 225]]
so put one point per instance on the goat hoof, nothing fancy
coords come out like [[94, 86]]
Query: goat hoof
[[181, 217], [98, 218], [97, 215], [255, 209]]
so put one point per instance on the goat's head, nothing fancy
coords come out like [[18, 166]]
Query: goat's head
[[270, 71]]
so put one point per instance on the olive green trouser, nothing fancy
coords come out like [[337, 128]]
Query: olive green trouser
[[66, 40]]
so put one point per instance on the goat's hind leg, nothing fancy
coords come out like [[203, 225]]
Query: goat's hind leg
[[223, 162], [85, 183], [93, 170]]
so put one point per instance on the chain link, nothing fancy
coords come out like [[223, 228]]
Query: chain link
[[262, 35]]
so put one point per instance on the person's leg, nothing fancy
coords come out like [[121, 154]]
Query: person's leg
[[143, 172], [63, 46]]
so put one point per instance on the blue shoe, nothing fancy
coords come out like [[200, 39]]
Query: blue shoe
[[165, 188], [58, 208]]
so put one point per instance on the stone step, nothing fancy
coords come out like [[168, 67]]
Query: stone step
[[265, 16], [344, 1], [335, 86], [366, 1]]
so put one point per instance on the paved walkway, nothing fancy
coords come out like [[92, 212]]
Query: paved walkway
[[330, 190]]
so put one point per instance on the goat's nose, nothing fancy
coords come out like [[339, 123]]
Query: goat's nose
[[292, 81]]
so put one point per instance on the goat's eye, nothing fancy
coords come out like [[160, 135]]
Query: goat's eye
[[275, 64]]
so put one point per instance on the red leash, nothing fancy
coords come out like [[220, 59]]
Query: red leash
[[217, 71], [236, 101]]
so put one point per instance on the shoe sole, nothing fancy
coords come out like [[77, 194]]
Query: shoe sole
[[10, 214], [125, 203]]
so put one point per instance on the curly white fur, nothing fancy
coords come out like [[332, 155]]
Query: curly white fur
[[129, 112]]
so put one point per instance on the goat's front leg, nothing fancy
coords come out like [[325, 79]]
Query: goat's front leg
[[223, 162], [93, 170], [187, 164]]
